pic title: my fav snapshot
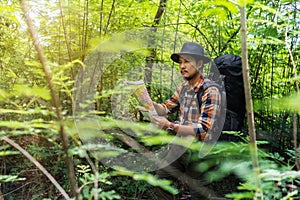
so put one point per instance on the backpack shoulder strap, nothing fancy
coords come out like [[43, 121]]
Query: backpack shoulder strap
[[215, 132], [203, 87]]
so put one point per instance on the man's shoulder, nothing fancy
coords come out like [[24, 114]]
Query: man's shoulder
[[210, 83], [184, 84], [210, 86]]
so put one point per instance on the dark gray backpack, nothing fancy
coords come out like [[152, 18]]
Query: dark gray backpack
[[230, 72]]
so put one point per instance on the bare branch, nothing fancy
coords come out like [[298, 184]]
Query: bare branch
[[231, 38], [38, 165]]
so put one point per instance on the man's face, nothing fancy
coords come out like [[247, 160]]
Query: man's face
[[188, 67]]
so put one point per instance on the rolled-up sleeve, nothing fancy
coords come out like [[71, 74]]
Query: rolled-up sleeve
[[172, 105], [209, 111]]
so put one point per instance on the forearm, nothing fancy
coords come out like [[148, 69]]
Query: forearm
[[188, 130], [179, 130], [184, 130], [160, 109]]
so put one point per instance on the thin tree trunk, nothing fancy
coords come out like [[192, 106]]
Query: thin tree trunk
[[248, 97], [101, 18], [84, 29], [249, 104], [295, 140], [109, 16], [150, 59], [55, 99], [67, 43], [298, 92], [258, 68], [3, 171], [65, 32]]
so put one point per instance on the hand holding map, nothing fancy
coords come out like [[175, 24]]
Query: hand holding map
[[142, 95]]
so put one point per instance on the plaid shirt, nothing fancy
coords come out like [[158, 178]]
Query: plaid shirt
[[185, 100]]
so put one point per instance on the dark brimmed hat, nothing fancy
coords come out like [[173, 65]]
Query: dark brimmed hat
[[192, 49]]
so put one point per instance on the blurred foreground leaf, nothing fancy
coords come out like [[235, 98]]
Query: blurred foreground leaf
[[151, 179], [35, 91], [289, 103], [7, 153]]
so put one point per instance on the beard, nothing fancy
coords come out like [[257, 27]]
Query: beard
[[187, 78], [196, 74]]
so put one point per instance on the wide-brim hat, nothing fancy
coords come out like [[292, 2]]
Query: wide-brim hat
[[192, 49]]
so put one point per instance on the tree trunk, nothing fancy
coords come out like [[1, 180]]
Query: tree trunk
[[151, 58], [101, 18], [249, 105], [65, 33], [84, 29], [248, 97], [1, 195], [109, 16], [298, 92], [55, 99]]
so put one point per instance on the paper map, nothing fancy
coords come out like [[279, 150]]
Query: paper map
[[142, 95]]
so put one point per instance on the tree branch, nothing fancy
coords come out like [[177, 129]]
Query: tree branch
[[37, 164], [230, 39], [204, 36], [109, 16]]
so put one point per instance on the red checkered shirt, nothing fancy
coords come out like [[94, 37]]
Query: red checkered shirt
[[185, 100]]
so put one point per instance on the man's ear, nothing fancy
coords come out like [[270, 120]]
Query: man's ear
[[200, 65]]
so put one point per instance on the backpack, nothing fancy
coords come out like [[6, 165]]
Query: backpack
[[226, 75], [230, 73]]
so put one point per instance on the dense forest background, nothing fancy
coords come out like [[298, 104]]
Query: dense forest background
[[43, 63]]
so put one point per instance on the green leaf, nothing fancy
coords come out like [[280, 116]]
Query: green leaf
[[27, 112], [10, 178], [8, 12], [275, 40], [264, 7], [7, 153], [290, 195], [110, 195], [218, 11], [35, 91], [32, 63], [242, 195], [229, 5], [28, 125], [3, 95], [290, 103], [244, 3], [151, 179]]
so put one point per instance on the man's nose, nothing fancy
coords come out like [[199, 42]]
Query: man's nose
[[181, 65]]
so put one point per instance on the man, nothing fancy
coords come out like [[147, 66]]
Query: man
[[194, 120]]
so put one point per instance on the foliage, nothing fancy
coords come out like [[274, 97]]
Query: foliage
[[279, 183], [88, 179], [70, 31], [8, 178]]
